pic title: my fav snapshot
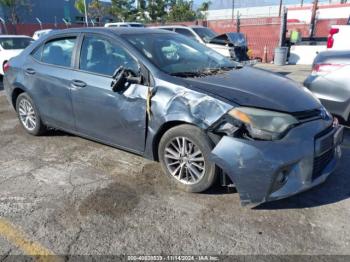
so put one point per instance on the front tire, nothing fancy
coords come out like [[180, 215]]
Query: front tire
[[28, 115], [184, 155]]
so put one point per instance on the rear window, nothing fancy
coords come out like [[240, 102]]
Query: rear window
[[10, 43]]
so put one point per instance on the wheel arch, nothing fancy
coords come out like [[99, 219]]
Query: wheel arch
[[15, 93], [162, 130]]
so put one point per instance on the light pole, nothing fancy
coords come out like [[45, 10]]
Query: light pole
[[41, 25], [4, 24], [86, 14]]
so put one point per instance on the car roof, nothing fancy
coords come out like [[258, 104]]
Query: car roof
[[171, 26], [43, 30], [14, 36], [113, 30], [179, 26]]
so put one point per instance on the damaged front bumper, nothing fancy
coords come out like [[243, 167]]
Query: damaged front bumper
[[269, 170]]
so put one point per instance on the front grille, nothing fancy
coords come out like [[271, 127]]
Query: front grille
[[321, 162], [326, 143]]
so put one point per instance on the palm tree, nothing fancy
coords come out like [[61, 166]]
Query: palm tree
[[80, 6]]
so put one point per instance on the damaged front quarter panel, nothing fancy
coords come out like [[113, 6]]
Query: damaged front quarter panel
[[173, 102]]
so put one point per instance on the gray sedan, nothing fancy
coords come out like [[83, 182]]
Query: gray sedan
[[173, 100], [330, 82]]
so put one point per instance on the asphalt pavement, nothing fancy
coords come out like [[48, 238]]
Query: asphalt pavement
[[65, 195]]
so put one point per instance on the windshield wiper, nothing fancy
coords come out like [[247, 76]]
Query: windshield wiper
[[187, 74]]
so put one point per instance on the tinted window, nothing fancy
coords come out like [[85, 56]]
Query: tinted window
[[100, 56], [185, 32], [15, 43], [59, 52], [137, 25], [205, 33]]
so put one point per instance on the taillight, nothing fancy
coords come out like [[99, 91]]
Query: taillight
[[324, 69], [6, 67], [330, 41]]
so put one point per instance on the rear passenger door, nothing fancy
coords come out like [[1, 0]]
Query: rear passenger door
[[48, 76]]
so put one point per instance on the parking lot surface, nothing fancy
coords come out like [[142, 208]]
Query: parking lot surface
[[61, 194]]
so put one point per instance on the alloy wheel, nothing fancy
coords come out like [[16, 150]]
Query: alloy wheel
[[27, 114], [184, 160]]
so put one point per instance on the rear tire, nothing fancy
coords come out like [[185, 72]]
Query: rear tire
[[28, 115], [184, 155]]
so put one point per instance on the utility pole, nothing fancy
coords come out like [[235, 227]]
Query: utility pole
[[280, 10], [302, 3], [313, 18], [233, 13], [86, 14]]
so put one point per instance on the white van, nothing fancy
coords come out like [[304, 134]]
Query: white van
[[124, 24]]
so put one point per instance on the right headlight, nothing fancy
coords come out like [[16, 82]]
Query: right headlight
[[263, 124]]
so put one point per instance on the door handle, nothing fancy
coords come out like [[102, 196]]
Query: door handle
[[78, 84], [30, 71]]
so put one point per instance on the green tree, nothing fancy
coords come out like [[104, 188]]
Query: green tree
[[157, 9], [96, 10], [203, 9], [182, 11], [123, 10], [15, 7], [80, 6]]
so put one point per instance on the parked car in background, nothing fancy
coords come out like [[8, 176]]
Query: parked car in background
[[233, 45], [11, 46], [40, 33], [330, 81], [124, 24], [339, 38], [168, 98]]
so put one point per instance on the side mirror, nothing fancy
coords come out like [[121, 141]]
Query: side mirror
[[122, 77]]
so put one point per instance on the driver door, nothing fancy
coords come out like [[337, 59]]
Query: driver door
[[115, 118]]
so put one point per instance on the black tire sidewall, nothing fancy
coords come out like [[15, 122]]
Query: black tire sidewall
[[39, 128], [199, 137]]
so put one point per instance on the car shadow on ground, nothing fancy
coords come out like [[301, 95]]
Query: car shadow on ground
[[1, 83], [284, 73], [335, 189]]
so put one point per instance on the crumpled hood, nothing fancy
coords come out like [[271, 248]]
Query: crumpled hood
[[256, 88], [231, 39]]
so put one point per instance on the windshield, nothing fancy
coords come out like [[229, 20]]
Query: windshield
[[176, 54], [205, 33], [15, 42]]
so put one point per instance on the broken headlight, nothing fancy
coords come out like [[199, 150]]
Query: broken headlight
[[258, 123]]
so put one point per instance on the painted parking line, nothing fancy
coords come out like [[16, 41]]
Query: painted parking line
[[29, 247]]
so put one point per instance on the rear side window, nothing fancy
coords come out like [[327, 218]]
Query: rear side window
[[59, 52], [37, 53], [185, 32]]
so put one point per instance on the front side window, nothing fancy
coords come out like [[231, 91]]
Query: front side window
[[173, 53], [185, 32], [9, 43], [59, 52], [100, 56], [205, 33]]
